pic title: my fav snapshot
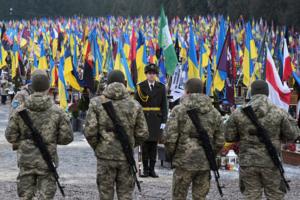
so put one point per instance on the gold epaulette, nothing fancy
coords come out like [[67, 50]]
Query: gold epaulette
[[143, 97]]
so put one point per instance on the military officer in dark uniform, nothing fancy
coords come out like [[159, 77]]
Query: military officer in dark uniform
[[151, 94]]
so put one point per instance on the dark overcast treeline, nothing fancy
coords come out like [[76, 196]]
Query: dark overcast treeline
[[278, 11]]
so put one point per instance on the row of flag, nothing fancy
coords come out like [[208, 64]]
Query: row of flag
[[223, 54]]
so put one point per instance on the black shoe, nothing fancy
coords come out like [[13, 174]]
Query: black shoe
[[145, 174], [153, 174]]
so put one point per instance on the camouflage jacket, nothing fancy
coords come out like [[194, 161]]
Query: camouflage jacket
[[99, 128], [280, 125], [19, 98], [180, 136], [53, 124]]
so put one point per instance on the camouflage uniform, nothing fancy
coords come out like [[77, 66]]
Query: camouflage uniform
[[54, 125], [4, 88], [257, 171], [182, 144], [20, 97], [112, 166]]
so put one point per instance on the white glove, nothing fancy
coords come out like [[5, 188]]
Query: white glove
[[162, 126]]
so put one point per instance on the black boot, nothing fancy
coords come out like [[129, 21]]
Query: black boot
[[152, 171], [145, 169]]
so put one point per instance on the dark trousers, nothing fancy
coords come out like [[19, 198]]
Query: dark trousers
[[149, 153], [3, 99]]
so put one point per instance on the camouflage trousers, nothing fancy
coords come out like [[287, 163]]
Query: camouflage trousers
[[111, 174], [30, 181], [182, 179], [255, 180]]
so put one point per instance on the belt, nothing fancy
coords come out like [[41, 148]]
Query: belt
[[151, 108]]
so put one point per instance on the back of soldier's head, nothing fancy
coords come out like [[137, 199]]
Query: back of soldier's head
[[259, 87], [116, 76], [40, 81], [193, 85]]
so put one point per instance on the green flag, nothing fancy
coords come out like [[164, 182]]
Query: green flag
[[165, 42]]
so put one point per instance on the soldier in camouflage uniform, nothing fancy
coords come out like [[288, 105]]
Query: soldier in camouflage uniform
[[19, 101], [112, 167], [20, 97], [183, 146], [257, 171], [54, 125]]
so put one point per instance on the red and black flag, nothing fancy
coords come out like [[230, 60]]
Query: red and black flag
[[88, 70], [6, 41]]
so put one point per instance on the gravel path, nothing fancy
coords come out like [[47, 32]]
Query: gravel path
[[78, 174]]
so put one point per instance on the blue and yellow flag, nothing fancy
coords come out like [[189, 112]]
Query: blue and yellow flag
[[42, 60], [141, 58], [62, 86], [69, 71], [122, 65], [193, 70], [250, 53], [3, 55]]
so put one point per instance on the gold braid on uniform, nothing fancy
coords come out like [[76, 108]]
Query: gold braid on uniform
[[143, 97]]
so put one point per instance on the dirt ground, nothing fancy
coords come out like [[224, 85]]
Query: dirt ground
[[77, 172]]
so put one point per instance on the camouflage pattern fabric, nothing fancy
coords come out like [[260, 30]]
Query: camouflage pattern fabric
[[182, 179], [19, 101], [99, 128], [280, 126], [255, 180], [19, 98], [112, 163], [54, 126], [257, 171], [180, 136], [112, 173], [30, 180], [182, 144]]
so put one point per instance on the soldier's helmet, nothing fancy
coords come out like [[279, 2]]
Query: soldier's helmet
[[116, 76], [259, 87], [151, 68], [40, 81]]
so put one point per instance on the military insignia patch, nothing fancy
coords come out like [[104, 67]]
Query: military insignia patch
[[15, 104]]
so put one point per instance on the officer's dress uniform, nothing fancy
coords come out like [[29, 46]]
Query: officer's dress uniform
[[152, 97]]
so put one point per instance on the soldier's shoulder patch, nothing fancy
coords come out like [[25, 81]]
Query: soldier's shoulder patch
[[15, 103]]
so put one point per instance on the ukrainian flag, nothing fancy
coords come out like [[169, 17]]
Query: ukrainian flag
[[3, 55], [15, 60], [42, 60], [209, 80], [62, 88], [53, 72], [141, 57], [193, 70], [69, 71], [126, 45], [97, 57], [250, 53], [122, 65]]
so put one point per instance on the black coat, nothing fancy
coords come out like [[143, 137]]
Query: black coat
[[151, 101]]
